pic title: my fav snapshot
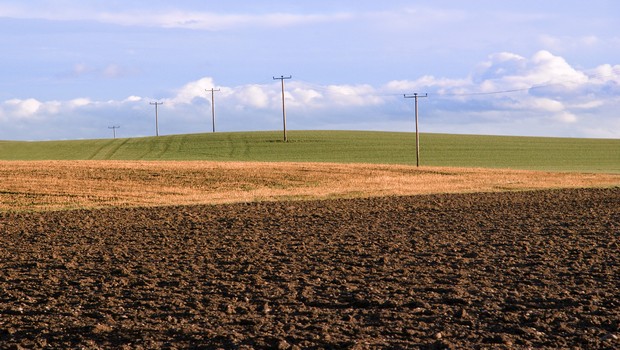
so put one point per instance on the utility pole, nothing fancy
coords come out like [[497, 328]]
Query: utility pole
[[212, 107], [156, 116], [114, 129], [417, 134], [282, 78]]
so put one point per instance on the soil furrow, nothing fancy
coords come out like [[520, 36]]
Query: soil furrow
[[492, 270]]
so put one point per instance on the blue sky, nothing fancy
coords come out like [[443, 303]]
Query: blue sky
[[70, 69]]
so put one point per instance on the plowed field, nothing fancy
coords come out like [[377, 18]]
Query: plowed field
[[497, 270]]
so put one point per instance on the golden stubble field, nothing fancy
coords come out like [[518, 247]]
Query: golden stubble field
[[59, 185]]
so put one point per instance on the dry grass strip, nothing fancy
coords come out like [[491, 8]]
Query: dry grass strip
[[58, 185]]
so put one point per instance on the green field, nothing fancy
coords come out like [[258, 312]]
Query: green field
[[553, 154]]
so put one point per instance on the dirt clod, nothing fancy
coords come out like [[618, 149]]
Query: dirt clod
[[504, 270]]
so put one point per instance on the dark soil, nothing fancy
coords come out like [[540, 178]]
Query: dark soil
[[511, 270]]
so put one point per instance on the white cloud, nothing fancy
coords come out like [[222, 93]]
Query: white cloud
[[133, 99], [605, 73], [33, 109], [425, 82], [306, 97], [214, 21], [506, 57], [192, 90], [79, 102], [256, 96], [587, 105], [167, 18], [566, 117], [510, 71], [22, 108], [496, 98], [544, 87], [547, 68], [297, 94], [353, 95], [542, 104]]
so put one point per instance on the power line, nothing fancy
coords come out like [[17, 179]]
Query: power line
[[212, 106], [282, 78], [331, 88], [497, 92], [417, 134], [488, 93], [156, 104], [114, 129], [532, 87]]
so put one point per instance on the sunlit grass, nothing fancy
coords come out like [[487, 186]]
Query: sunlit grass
[[534, 153]]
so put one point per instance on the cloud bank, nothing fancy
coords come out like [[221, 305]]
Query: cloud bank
[[507, 94], [166, 18]]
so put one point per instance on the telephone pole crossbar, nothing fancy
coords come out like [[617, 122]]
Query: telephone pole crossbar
[[417, 134], [114, 129], [156, 104], [282, 78], [212, 106]]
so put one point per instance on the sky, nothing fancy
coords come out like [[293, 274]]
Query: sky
[[72, 69]]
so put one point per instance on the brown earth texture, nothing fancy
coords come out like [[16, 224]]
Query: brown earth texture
[[519, 270]]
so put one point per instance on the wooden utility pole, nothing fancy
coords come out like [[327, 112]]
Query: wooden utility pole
[[282, 78], [417, 133], [114, 129], [156, 117], [212, 106]]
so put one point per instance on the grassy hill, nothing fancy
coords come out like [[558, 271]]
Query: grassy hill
[[553, 154]]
